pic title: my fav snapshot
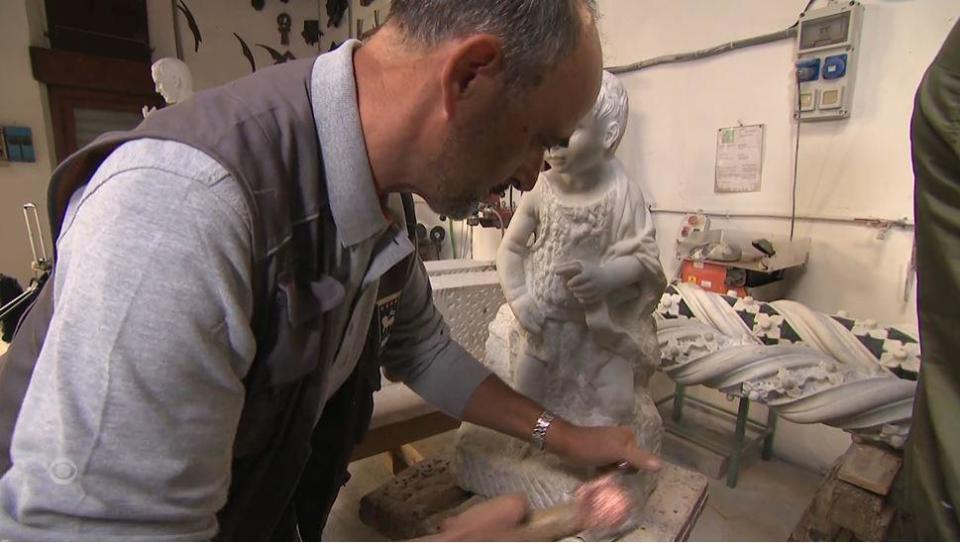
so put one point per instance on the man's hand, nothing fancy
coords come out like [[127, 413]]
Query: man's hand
[[587, 281], [528, 312], [598, 446], [493, 520], [496, 406]]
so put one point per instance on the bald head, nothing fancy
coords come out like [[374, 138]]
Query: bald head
[[459, 98], [535, 35]]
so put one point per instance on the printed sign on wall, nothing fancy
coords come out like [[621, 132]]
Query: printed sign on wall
[[739, 159]]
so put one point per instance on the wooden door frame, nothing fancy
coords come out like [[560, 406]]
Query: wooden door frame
[[78, 80], [65, 100]]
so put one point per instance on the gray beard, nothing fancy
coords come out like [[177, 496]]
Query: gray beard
[[453, 200], [454, 208]]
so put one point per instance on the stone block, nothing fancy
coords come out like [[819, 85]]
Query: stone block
[[414, 503]]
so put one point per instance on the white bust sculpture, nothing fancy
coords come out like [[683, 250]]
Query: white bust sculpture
[[580, 270], [173, 81]]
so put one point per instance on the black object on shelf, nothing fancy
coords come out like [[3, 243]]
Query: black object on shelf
[[764, 246], [335, 11], [247, 53], [284, 24], [437, 235], [191, 23], [278, 57], [311, 31]]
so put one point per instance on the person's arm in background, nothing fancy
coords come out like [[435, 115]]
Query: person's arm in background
[[932, 454], [127, 428]]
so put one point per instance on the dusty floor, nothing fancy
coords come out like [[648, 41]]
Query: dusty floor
[[765, 506]]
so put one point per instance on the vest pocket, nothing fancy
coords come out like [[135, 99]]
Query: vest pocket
[[298, 347], [284, 365]]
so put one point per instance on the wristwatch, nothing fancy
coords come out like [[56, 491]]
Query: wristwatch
[[540, 429]]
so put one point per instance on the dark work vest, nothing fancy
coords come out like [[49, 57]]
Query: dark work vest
[[286, 471]]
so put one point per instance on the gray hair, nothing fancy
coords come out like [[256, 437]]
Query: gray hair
[[613, 105], [536, 34]]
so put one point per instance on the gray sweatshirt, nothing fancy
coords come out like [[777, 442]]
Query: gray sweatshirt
[[127, 428]]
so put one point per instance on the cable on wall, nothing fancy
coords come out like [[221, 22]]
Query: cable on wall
[[785, 34], [796, 163]]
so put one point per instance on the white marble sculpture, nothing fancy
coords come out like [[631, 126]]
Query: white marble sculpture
[[808, 366], [173, 81], [580, 270]]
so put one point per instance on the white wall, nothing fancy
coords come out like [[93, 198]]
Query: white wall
[[859, 167], [220, 58], [23, 102]]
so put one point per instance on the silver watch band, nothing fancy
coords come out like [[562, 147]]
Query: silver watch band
[[540, 429]]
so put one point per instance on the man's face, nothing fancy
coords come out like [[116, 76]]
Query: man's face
[[499, 141]]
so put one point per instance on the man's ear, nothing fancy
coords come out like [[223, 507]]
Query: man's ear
[[473, 65]]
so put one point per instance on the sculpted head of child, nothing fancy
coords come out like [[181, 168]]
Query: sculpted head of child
[[598, 134]]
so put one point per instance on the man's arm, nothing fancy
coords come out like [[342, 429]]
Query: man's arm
[[128, 425], [422, 354], [496, 406]]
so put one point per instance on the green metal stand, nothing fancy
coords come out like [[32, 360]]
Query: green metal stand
[[678, 402], [766, 452], [740, 432], [743, 415]]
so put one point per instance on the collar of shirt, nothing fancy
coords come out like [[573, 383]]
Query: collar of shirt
[[356, 208], [351, 191]]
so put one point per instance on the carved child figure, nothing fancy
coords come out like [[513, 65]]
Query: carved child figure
[[580, 269], [585, 289]]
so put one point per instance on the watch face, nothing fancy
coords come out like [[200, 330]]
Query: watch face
[[825, 31]]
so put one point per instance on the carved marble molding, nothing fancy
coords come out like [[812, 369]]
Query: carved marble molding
[[808, 366]]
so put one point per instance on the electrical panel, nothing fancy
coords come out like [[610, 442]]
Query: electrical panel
[[828, 43]]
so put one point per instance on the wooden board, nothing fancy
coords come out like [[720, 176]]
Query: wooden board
[[392, 436], [413, 503]]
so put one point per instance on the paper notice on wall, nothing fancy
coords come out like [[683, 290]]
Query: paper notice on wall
[[739, 159]]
